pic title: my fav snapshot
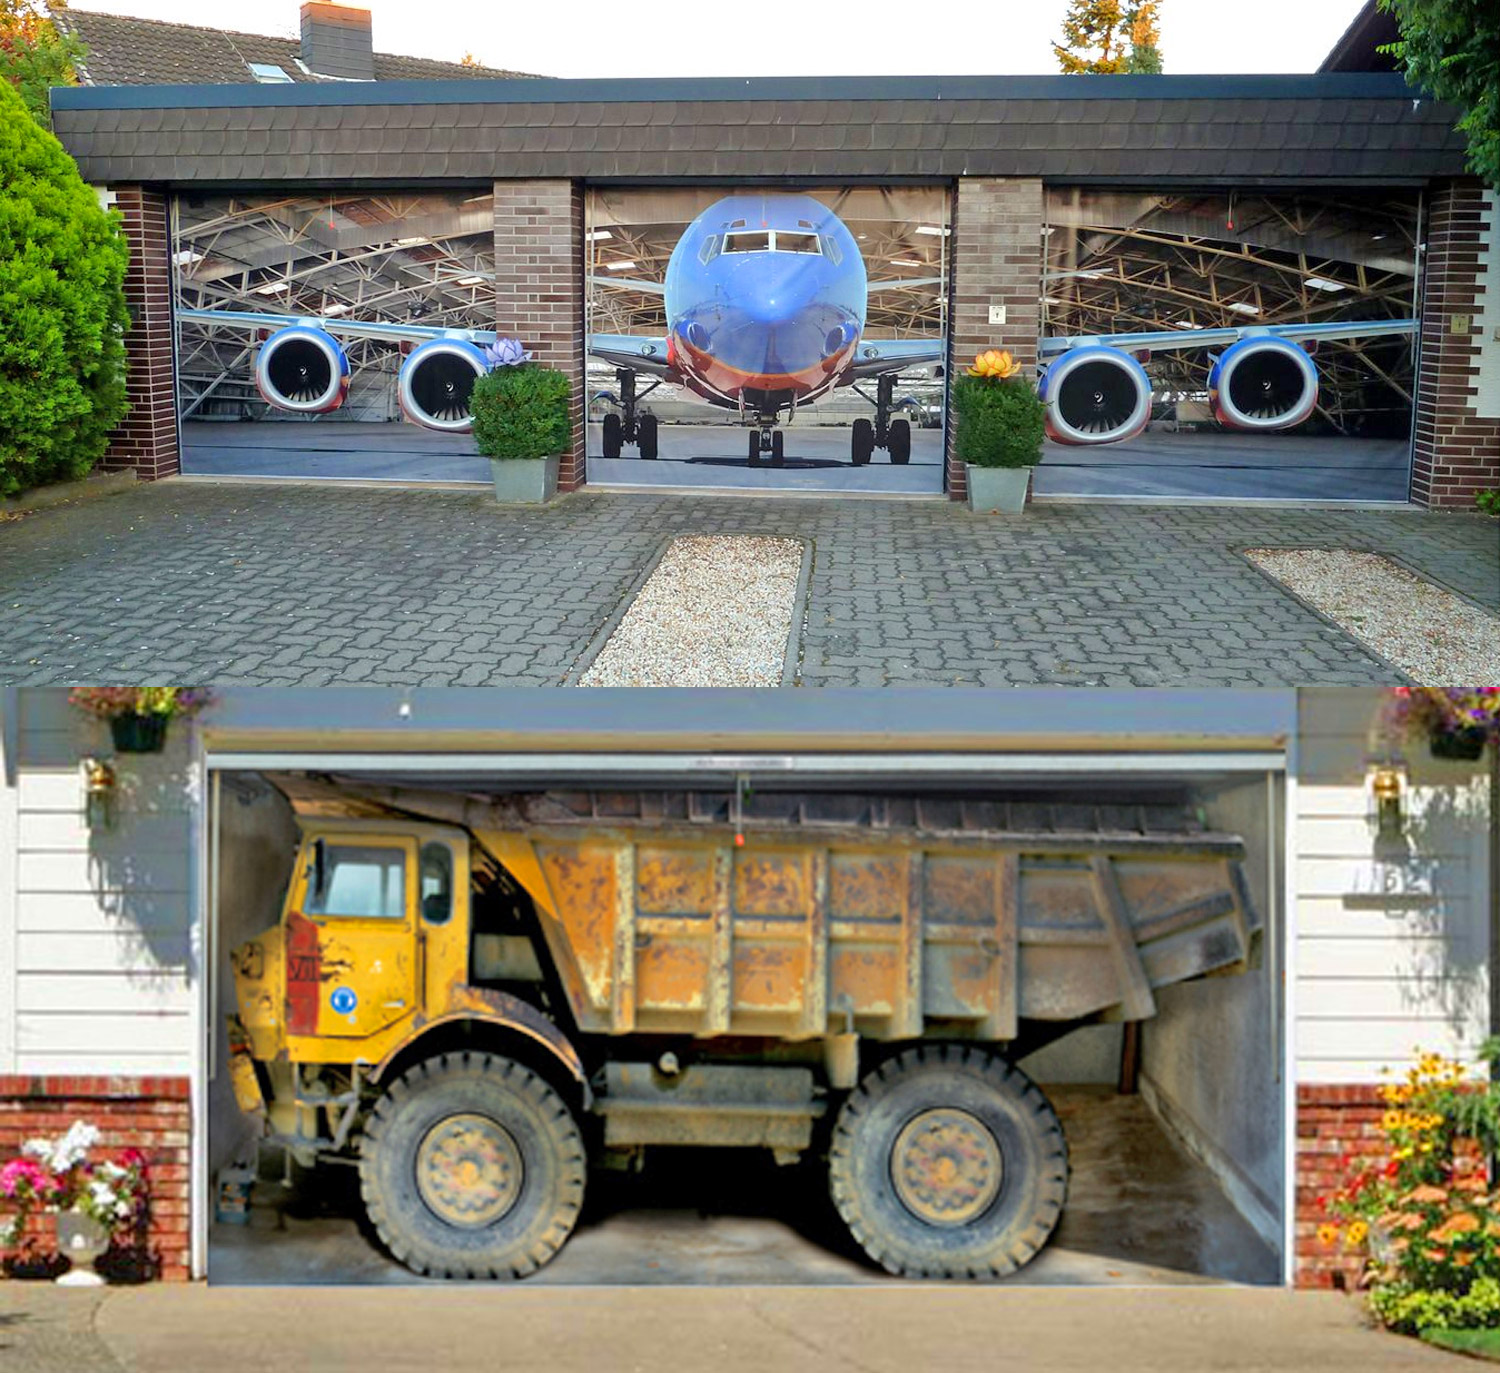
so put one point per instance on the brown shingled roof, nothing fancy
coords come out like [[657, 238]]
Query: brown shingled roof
[[126, 51]]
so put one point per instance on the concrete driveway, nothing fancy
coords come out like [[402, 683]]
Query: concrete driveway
[[45, 1329], [307, 585]]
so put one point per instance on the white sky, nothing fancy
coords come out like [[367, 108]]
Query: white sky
[[805, 38]]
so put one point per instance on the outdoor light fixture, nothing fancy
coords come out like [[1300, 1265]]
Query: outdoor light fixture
[[619, 266], [471, 281], [934, 230], [273, 288], [1323, 284], [1244, 307], [597, 235], [906, 262], [1388, 802], [98, 793]]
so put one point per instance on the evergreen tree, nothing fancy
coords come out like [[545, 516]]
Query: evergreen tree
[[62, 350], [35, 54], [1144, 31]]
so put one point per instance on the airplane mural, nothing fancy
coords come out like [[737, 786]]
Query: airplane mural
[[766, 300]]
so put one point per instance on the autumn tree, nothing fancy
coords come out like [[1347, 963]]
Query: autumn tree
[[1109, 37], [1451, 50], [35, 53], [1144, 31]]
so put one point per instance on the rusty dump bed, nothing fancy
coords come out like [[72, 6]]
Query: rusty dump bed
[[893, 916]]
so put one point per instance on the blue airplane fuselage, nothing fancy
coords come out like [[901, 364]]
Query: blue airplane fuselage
[[765, 301]]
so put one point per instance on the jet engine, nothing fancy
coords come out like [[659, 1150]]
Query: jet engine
[[1263, 383], [303, 369], [435, 383], [1094, 395]]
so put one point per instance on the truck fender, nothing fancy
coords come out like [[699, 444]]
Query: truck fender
[[503, 1010]]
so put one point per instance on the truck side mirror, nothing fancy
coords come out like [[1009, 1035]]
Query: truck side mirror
[[319, 870]]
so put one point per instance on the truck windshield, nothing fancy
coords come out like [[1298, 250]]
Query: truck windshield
[[359, 880]]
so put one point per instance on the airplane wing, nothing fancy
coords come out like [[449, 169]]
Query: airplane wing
[[1175, 339], [337, 324], [642, 354], [874, 357]]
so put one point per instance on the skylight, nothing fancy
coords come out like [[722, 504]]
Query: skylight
[[269, 73]]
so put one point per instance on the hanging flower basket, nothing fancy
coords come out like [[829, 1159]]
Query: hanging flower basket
[[1457, 722], [139, 733], [138, 716], [1459, 745]]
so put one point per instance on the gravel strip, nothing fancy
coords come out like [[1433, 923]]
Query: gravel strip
[[716, 612], [1435, 637]]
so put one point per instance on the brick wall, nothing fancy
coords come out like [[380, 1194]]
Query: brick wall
[[151, 1114], [1457, 453], [997, 260], [539, 287], [1333, 1124], [147, 439]]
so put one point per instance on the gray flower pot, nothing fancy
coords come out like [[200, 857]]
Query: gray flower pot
[[81, 1239], [997, 490], [528, 480]]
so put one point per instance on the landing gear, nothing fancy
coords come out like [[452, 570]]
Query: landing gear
[[862, 442], [628, 426], [764, 440], [883, 432]]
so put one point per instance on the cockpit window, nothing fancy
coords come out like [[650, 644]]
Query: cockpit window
[[832, 251], [748, 241], [710, 249], [772, 241]]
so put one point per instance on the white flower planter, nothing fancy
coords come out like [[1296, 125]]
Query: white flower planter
[[997, 490], [524, 480], [80, 1239]]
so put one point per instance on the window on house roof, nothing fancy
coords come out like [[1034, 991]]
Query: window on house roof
[[269, 72]]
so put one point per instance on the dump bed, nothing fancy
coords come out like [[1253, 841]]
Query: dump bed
[[799, 916]]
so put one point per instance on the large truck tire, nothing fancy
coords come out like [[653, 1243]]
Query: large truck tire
[[471, 1166], [947, 1162]]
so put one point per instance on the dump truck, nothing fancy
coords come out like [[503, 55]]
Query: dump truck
[[477, 1001]]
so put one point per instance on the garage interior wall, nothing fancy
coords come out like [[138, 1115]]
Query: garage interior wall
[[1212, 1061], [1393, 938]]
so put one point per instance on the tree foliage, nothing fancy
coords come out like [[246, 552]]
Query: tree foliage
[[35, 53], [522, 412], [62, 267], [1107, 37], [1451, 50]]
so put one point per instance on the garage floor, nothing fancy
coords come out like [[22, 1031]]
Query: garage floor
[[711, 457], [1139, 1211]]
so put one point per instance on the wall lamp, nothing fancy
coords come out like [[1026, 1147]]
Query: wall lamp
[[98, 793], [1388, 801]]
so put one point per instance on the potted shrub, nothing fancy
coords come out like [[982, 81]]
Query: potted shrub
[[1001, 421], [138, 716], [522, 422]]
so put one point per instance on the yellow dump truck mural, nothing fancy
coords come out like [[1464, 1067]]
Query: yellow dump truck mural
[[461, 1006]]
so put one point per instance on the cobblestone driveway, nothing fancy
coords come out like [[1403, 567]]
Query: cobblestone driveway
[[302, 585]]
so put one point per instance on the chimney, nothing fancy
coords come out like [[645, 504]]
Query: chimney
[[336, 41]]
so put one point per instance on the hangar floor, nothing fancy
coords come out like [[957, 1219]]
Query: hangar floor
[[1157, 466], [1140, 1212]]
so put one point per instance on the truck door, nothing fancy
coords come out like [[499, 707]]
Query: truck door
[[351, 940]]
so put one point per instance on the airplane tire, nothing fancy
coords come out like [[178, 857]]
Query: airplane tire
[[755, 448], [646, 430], [614, 433], [900, 442], [778, 449], [947, 1162], [862, 442], [471, 1166]]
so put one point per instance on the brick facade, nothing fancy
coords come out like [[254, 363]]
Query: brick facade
[[147, 439], [1333, 1123], [1457, 453], [997, 260], [539, 287], [151, 1114]]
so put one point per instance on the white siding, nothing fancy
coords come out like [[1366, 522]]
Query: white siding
[[1392, 946], [9, 824], [1487, 325], [103, 956]]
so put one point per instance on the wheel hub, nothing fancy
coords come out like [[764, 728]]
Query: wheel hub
[[469, 1171], [946, 1166]]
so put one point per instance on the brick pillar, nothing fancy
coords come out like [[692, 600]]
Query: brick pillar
[[997, 260], [1334, 1125], [151, 1114], [1457, 453], [539, 287], [147, 438]]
